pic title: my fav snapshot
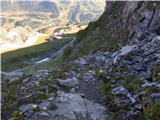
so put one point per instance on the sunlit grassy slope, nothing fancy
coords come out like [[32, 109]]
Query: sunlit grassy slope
[[41, 39], [16, 59]]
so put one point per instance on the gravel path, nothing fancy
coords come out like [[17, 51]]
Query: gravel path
[[91, 91]]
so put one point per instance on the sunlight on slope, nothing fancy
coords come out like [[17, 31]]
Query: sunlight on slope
[[42, 39], [34, 40]]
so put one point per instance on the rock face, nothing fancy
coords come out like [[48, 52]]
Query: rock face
[[73, 107], [69, 82], [120, 23], [41, 97], [129, 76], [122, 91]]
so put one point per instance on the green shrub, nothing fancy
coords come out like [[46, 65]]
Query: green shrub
[[10, 95], [102, 76], [6, 107], [152, 112], [112, 117], [105, 87], [151, 90], [59, 73], [43, 83], [42, 96], [113, 45], [82, 74], [156, 73], [119, 69], [132, 83], [17, 116], [37, 109], [109, 97]]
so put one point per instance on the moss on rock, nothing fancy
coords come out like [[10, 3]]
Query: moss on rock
[[152, 112]]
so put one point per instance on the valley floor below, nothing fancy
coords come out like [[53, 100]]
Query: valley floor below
[[29, 56]]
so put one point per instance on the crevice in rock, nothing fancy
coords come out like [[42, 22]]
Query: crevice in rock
[[139, 5], [151, 17]]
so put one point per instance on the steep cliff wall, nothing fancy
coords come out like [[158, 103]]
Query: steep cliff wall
[[121, 23]]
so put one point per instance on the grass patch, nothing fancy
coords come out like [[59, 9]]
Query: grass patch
[[67, 52], [43, 83], [109, 97], [39, 97], [119, 69], [43, 38], [82, 74], [106, 87], [42, 96], [156, 73], [132, 83], [152, 112], [151, 90], [37, 109], [50, 65], [60, 73], [17, 116], [15, 59], [49, 84], [113, 117], [10, 94]]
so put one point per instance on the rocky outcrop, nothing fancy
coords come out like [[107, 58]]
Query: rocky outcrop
[[71, 107], [122, 84], [127, 77], [40, 96], [119, 25], [69, 82]]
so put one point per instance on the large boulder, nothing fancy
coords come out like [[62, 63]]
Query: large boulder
[[10, 77], [153, 98], [70, 82], [123, 51], [123, 91], [73, 107], [81, 61]]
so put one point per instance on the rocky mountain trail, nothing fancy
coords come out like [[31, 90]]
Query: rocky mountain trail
[[125, 82], [42, 97], [119, 84], [126, 76]]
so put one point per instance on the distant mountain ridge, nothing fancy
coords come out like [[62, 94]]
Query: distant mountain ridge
[[33, 13]]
